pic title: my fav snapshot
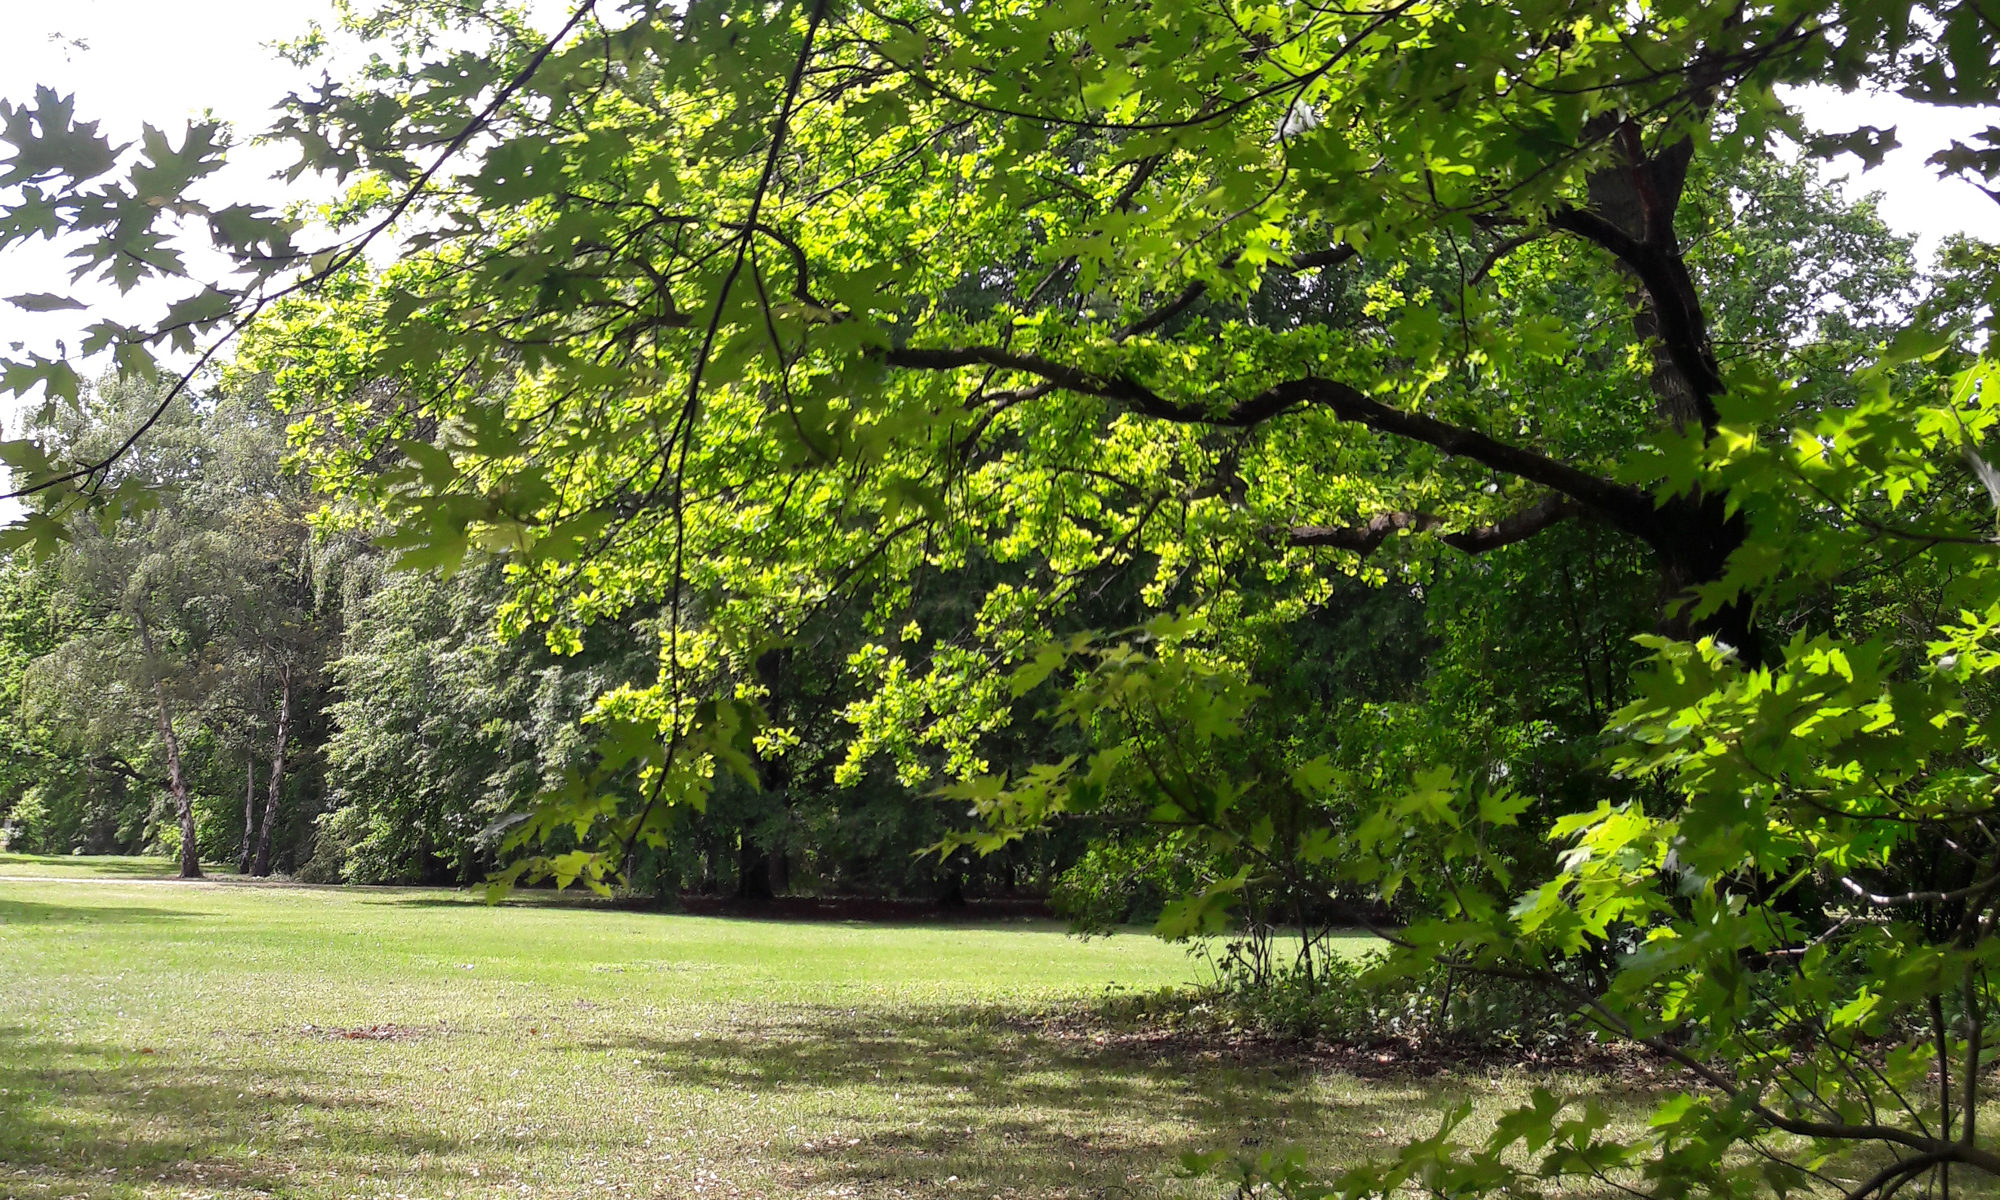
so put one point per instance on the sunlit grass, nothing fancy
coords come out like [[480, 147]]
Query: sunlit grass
[[103, 866], [231, 1040]]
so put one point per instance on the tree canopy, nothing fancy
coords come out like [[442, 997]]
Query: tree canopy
[[1453, 459]]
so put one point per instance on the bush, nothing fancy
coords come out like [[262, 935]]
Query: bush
[[1353, 1001], [335, 834], [166, 840], [36, 830], [1121, 882]]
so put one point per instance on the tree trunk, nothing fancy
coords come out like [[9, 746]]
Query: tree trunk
[[781, 872], [249, 812], [753, 869], [1633, 204], [176, 782], [263, 863]]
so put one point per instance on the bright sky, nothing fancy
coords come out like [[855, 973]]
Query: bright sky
[[132, 61]]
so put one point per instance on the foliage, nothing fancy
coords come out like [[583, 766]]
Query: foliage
[[922, 344]]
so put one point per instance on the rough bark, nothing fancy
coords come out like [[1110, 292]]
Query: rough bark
[[263, 864], [1631, 213], [176, 781]]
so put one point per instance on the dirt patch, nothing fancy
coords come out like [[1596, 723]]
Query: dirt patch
[[1386, 1058], [386, 1032], [867, 908]]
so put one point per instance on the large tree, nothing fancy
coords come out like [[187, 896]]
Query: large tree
[[766, 315]]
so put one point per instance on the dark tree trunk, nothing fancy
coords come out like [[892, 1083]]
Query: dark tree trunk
[[263, 864], [249, 813], [1631, 214], [761, 870], [781, 872], [753, 870], [176, 781]]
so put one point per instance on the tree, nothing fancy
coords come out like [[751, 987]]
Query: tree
[[195, 608], [288, 617], [762, 322]]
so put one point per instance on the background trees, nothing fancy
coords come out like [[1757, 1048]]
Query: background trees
[[1044, 400]]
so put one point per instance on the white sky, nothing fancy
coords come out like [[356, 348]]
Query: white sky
[[163, 61], [132, 62]]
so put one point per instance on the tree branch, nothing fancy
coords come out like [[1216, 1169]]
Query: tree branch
[[1625, 507], [1366, 537], [1683, 330], [1887, 901], [117, 765], [1332, 256]]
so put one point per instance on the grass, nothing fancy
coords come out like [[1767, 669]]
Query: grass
[[104, 866], [230, 1040]]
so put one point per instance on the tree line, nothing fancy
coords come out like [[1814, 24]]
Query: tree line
[[228, 673], [1452, 465]]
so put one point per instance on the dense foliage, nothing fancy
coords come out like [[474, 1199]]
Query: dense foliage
[[1448, 465]]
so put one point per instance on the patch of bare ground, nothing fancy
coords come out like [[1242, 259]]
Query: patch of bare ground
[[1196, 1036]]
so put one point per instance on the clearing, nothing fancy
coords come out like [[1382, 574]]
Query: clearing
[[225, 1039]]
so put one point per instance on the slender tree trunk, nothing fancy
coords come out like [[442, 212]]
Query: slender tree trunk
[[263, 864], [753, 869], [249, 812], [184, 807]]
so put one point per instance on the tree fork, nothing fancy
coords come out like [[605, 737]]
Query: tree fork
[[263, 863], [1630, 215], [176, 782]]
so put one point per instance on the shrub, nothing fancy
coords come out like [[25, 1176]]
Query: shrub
[[1353, 1000]]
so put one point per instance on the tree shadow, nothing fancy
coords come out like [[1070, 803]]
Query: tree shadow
[[95, 1119], [35, 912], [932, 1103], [59, 867], [981, 1103], [388, 898], [954, 923]]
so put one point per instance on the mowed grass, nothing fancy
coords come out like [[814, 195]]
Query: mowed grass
[[233, 1040]]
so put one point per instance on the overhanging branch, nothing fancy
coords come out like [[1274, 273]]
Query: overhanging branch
[[1625, 507], [1364, 539], [1332, 256]]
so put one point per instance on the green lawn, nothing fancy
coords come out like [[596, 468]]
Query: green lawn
[[231, 1040], [105, 866]]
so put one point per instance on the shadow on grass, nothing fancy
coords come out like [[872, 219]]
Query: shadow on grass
[[103, 1120], [934, 1104], [475, 898], [34, 912], [58, 867], [982, 1104], [952, 922]]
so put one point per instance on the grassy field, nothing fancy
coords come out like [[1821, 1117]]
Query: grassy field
[[235, 1040]]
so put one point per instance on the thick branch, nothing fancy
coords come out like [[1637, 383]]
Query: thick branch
[[1683, 328], [1625, 507], [1366, 537], [1887, 901], [116, 765], [1895, 1172]]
